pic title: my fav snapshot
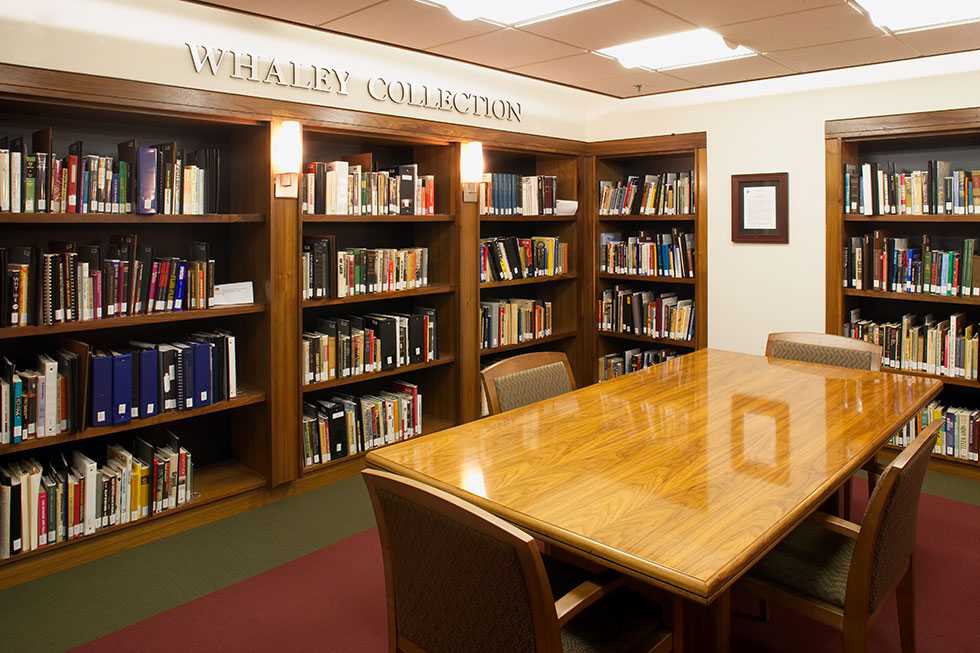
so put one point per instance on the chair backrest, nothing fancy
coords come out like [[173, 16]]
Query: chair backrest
[[456, 577], [884, 548], [825, 349], [521, 380]]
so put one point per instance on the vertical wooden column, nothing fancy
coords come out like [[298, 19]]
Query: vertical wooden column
[[835, 236], [468, 292], [587, 266], [285, 330], [701, 251]]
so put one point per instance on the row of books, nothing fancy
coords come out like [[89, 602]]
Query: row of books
[[79, 386], [668, 193], [511, 321], [343, 425], [645, 313], [631, 360], [947, 347], [507, 258], [344, 188], [328, 272], [893, 264], [665, 255], [158, 179], [353, 345], [880, 189], [959, 436], [67, 497], [507, 193], [72, 283]]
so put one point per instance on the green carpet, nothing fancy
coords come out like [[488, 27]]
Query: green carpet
[[86, 602], [72, 607]]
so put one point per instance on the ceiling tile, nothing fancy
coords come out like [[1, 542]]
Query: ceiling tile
[[825, 25], [575, 69], [624, 85], [944, 39], [844, 54], [408, 23], [612, 24], [712, 13], [311, 12], [738, 70], [506, 48]]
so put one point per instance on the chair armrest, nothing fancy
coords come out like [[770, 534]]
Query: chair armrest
[[836, 524], [582, 596]]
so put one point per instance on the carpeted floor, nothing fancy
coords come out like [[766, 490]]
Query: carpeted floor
[[333, 600]]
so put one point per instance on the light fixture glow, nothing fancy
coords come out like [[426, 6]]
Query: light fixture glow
[[677, 50], [287, 157], [515, 12], [909, 15], [471, 169]]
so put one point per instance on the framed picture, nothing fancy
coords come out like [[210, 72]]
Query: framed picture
[[760, 208]]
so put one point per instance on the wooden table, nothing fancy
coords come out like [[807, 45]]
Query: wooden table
[[683, 474]]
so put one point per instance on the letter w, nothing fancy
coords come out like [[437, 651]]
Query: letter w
[[209, 56]]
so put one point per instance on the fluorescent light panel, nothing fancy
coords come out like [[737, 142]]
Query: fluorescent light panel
[[516, 12], [678, 50], [909, 15]]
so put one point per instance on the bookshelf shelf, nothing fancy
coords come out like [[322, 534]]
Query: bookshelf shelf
[[528, 218], [648, 218], [404, 369], [212, 483], [410, 219], [941, 456], [430, 426], [915, 219], [528, 282], [912, 297], [947, 380], [647, 278], [245, 398], [7, 333], [686, 344], [433, 289], [127, 218], [554, 337]]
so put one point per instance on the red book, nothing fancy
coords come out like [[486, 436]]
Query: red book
[[164, 279], [151, 301], [42, 516], [72, 184]]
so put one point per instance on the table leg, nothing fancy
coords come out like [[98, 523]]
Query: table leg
[[708, 629]]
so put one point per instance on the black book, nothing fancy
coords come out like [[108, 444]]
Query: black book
[[337, 428], [514, 257], [416, 338], [407, 175], [320, 187], [386, 330], [433, 334], [13, 482]]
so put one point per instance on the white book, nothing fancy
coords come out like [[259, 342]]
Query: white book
[[86, 469], [233, 367], [4, 180], [337, 190], [15, 182], [123, 460], [34, 484], [868, 208], [48, 367]]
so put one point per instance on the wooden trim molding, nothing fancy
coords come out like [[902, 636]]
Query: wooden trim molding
[[931, 123]]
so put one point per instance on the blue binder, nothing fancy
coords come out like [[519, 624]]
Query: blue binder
[[149, 382], [202, 374], [101, 389], [122, 387]]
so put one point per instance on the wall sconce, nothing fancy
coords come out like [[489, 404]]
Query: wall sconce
[[287, 157], [471, 169]]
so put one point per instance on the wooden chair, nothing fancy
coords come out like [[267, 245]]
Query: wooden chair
[[521, 380], [839, 573], [459, 579], [826, 349]]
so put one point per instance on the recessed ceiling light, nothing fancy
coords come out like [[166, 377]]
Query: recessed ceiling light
[[909, 15], [677, 50], [516, 12]]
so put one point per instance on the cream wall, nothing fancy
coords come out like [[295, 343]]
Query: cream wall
[[144, 40], [767, 126], [778, 126]]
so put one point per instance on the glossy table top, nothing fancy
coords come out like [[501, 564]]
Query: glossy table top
[[683, 474]]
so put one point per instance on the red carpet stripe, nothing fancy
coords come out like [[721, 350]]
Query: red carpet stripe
[[333, 600]]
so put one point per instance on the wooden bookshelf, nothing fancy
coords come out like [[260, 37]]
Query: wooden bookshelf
[[127, 218], [127, 321], [616, 160], [431, 289], [378, 219], [908, 140], [509, 283], [528, 218], [527, 344], [383, 374]]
